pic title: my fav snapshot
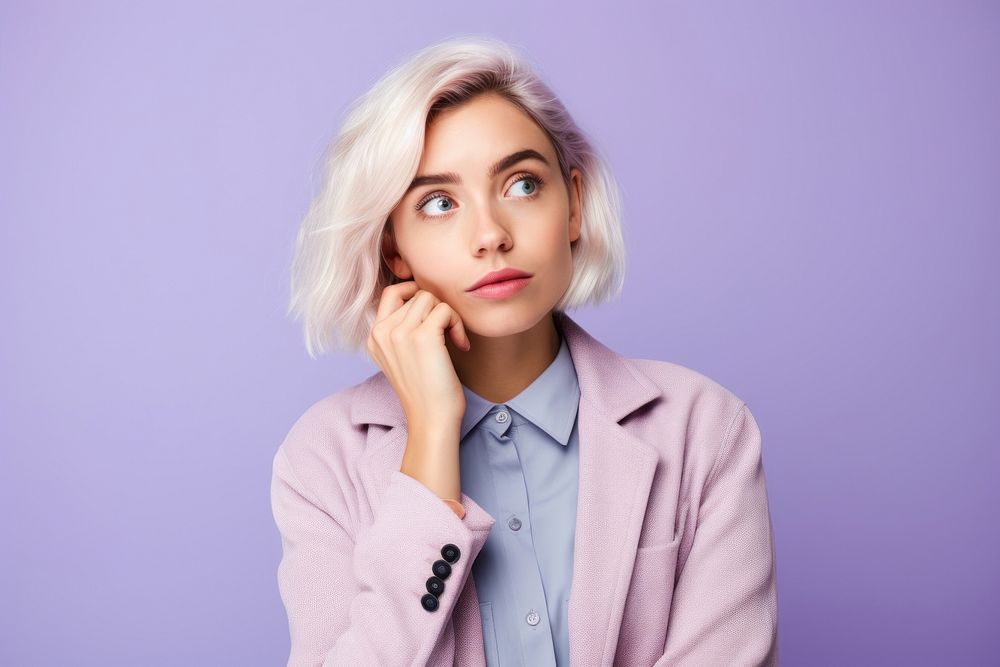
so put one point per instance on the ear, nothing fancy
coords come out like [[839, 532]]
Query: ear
[[575, 204], [392, 258]]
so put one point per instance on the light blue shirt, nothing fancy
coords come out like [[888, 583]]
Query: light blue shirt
[[520, 462]]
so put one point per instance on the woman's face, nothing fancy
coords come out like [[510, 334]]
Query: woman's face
[[523, 216]]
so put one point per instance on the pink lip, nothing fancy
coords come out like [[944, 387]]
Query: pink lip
[[502, 289], [506, 273]]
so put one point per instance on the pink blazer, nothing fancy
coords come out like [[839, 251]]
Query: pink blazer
[[674, 553]]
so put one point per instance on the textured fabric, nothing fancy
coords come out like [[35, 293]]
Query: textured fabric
[[673, 557], [520, 461]]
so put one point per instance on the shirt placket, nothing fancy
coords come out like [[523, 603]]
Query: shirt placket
[[531, 613]]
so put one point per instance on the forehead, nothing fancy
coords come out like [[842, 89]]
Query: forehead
[[477, 132]]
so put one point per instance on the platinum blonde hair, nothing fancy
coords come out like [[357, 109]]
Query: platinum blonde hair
[[338, 272]]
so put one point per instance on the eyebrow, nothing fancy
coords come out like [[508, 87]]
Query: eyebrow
[[451, 177]]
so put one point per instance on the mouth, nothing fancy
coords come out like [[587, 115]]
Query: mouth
[[501, 289], [503, 275]]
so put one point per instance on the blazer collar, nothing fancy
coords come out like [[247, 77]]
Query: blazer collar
[[605, 378], [617, 467]]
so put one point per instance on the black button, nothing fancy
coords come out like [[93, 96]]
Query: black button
[[429, 602], [441, 569], [451, 553], [435, 586]]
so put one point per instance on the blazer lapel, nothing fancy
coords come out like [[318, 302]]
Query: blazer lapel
[[616, 474], [615, 477]]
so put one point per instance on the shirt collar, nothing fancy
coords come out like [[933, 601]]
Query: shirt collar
[[550, 402]]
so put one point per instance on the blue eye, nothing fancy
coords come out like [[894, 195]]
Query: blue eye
[[530, 180], [420, 206], [534, 185]]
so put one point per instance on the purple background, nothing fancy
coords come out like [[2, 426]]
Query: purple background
[[812, 216]]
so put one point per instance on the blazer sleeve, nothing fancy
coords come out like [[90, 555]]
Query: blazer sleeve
[[358, 601], [724, 609]]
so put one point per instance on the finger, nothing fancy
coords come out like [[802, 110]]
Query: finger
[[443, 317], [418, 308], [459, 334], [393, 297], [393, 307]]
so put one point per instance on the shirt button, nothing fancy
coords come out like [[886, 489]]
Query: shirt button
[[532, 618], [515, 524], [502, 417]]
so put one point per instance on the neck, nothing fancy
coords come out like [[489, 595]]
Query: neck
[[498, 369]]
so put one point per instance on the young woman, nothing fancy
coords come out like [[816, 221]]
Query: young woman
[[506, 490]]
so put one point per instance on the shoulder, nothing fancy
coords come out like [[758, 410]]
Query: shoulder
[[686, 386], [324, 438], [696, 410]]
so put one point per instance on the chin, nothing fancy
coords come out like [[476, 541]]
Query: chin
[[497, 321]]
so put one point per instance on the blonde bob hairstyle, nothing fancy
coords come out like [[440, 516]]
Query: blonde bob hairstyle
[[338, 272]]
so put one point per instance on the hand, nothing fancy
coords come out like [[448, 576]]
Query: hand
[[407, 341]]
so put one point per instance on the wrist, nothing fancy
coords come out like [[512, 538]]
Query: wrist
[[456, 507]]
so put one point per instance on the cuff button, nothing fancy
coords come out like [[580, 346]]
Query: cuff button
[[441, 569], [451, 553], [435, 586], [429, 602]]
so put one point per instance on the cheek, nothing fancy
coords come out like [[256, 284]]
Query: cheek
[[554, 243], [556, 226], [435, 274], [423, 256]]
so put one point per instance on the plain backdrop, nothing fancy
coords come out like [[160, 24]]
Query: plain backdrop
[[812, 209]]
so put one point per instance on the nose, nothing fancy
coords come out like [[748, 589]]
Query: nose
[[490, 233]]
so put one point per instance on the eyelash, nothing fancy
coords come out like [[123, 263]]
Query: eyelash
[[520, 177]]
